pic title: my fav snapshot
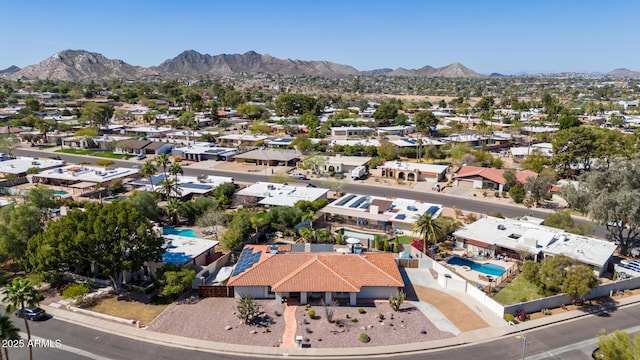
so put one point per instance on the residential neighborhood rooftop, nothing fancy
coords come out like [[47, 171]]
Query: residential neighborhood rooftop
[[276, 194], [20, 165]]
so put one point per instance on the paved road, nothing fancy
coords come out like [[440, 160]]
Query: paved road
[[478, 206], [568, 340]]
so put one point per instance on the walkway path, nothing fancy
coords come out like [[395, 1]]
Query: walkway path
[[290, 327]]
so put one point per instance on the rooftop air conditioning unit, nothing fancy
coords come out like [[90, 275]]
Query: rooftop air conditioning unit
[[501, 227]]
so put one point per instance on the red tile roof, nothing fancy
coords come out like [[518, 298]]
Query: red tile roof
[[495, 175], [320, 272]]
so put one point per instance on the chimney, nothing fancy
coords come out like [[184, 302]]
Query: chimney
[[373, 209]]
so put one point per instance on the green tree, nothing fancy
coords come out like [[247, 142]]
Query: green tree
[[302, 143], [18, 224], [539, 187], [517, 193], [224, 192], [252, 111], [8, 144], [579, 281], [148, 170], [573, 148], [568, 121], [385, 112], [146, 204], [552, 273], [427, 227], [459, 150], [110, 238], [175, 280], [306, 234], [388, 151], [534, 162], [96, 114], [20, 294], [560, 219], [530, 270], [510, 178], [8, 331], [324, 236], [425, 121], [618, 345]]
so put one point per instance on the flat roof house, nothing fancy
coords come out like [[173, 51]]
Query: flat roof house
[[188, 185], [351, 131], [84, 176], [274, 194], [266, 271], [338, 163], [20, 165], [496, 236], [379, 213], [270, 157], [412, 171], [204, 151]]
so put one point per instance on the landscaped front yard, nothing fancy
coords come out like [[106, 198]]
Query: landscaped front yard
[[77, 151], [133, 310], [111, 155], [519, 290]]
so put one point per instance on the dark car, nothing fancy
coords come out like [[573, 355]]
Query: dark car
[[31, 313], [596, 354]]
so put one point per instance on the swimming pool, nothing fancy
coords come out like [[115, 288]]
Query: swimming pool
[[489, 269], [61, 193], [347, 233], [168, 230]]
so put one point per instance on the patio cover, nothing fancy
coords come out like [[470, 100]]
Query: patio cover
[[83, 185]]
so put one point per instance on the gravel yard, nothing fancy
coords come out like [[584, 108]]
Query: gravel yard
[[208, 318], [402, 327]]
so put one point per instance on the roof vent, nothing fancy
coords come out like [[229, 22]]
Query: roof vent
[[501, 227]]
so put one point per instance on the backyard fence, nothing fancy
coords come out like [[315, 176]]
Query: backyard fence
[[215, 291]]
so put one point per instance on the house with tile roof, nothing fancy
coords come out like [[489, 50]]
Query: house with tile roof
[[273, 271], [487, 178]]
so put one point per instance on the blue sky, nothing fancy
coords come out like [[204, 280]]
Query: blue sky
[[488, 36]]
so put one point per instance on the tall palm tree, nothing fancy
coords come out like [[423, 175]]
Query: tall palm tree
[[428, 227], [163, 161], [175, 169], [170, 187], [8, 331], [148, 170], [20, 294]]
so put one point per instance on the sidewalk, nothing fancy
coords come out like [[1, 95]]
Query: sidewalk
[[464, 338]]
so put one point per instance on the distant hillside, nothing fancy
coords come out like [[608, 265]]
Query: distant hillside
[[455, 70], [79, 65], [624, 73], [192, 63], [9, 70], [376, 72]]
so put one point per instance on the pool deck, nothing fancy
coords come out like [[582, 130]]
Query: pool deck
[[478, 277]]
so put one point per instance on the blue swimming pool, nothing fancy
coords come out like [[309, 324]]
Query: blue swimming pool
[[168, 230], [489, 269], [61, 193]]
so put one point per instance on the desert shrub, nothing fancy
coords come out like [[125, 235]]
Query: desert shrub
[[362, 311], [496, 194], [312, 314], [546, 312], [364, 338], [75, 291], [354, 320], [509, 317], [395, 301], [522, 315]]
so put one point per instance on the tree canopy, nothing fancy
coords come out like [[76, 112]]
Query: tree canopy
[[110, 238]]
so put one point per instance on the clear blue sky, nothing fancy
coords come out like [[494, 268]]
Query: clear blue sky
[[488, 36]]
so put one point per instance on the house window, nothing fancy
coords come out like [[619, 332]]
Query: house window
[[269, 291]]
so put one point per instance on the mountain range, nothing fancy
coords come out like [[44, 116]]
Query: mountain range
[[81, 65]]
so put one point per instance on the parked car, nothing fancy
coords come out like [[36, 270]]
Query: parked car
[[299, 176], [34, 313], [140, 156]]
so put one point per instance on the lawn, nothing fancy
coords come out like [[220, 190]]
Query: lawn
[[133, 310], [517, 291], [405, 239], [111, 155], [76, 151]]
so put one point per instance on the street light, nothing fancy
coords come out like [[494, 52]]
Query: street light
[[524, 338]]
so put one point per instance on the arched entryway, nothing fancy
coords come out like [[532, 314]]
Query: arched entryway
[[411, 177], [401, 175]]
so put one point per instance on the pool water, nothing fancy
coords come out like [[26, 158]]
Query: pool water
[[168, 230], [489, 269], [60, 193]]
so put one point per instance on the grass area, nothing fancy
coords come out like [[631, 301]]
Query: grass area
[[517, 291], [404, 239], [111, 155], [76, 151], [128, 309]]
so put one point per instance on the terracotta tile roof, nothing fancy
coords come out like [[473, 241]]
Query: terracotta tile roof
[[495, 175], [311, 272]]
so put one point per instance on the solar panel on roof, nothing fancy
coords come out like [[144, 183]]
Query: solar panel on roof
[[196, 186], [345, 200], [401, 216], [432, 210], [358, 202]]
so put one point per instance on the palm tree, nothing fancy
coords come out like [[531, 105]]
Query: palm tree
[[427, 227], [162, 161], [310, 215], [148, 170], [8, 331], [20, 294], [175, 169], [172, 209], [170, 187]]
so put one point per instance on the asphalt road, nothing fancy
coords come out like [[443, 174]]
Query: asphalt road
[[568, 340], [478, 206]]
